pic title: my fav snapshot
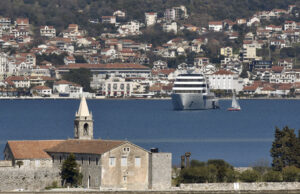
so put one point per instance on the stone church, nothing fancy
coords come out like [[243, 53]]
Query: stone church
[[105, 164]]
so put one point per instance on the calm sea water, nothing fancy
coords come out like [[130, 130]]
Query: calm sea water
[[240, 138]]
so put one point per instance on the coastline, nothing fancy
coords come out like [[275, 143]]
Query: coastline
[[163, 98]]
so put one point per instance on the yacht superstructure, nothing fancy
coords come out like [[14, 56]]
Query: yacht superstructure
[[191, 92]]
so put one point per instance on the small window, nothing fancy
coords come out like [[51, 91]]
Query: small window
[[89, 160], [112, 161], [97, 161], [137, 161], [126, 149], [81, 160], [52, 159], [124, 178], [123, 161], [59, 159]]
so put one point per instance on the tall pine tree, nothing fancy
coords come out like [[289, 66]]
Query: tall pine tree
[[285, 149]]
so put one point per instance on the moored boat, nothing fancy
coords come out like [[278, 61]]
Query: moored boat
[[191, 92]]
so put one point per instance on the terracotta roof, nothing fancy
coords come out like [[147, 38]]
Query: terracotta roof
[[16, 78], [85, 146], [277, 69], [163, 71], [104, 66], [284, 86], [31, 149], [250, 88], [268, 88], [215, 23], [41, 88]]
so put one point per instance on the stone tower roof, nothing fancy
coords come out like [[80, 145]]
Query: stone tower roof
[[83, 110]]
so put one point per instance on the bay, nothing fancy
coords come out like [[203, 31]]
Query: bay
[[241, 138]]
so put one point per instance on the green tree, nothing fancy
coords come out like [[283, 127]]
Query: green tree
[[80, 76], [290, 174], [222, 168], [285, 149], [272, 176], [249, 176], [70, 171]]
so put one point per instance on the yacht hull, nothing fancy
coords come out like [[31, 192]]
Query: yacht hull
[[190, 101]]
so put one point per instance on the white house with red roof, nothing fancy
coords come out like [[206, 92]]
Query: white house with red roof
[[225, 80], [69, 59], [18, 81], [216, 26], [290, 25], [43, 91]]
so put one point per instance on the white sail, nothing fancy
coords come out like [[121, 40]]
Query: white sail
[[235, 103]]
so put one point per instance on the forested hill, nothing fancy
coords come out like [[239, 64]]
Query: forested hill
[[62, 12]]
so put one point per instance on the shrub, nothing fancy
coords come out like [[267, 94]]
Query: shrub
[[231, 176], [194, 175], [290, 173], [249, 176], [272, 176]]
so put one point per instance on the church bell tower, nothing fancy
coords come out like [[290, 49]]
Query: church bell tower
[[83, 123]]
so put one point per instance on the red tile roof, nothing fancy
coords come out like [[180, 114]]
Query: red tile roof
[[41, 88], [85, 146], [104, 66], [250, 88], [31, 149]]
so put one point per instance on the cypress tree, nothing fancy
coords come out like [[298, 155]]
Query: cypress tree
[[70, 171], [285, 149]]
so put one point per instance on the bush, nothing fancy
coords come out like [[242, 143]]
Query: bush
[[272, 176], [249, 176], [290, 174], [194, 175]]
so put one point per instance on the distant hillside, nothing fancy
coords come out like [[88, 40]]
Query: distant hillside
[[62, 12]]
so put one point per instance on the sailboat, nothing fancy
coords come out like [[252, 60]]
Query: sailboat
[[234, 105]]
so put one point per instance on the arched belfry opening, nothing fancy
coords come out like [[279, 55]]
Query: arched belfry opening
[[86, 129], [83, 124]]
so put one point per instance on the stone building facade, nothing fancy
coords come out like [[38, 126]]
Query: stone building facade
[[104, 164]]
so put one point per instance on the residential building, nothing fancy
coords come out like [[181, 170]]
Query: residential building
[[48, 31], [42, 91], [215, 26], [170, 27], [225, 80], [150, 18], [18, 81], [201, 61], [125, 70], [112, 87], [108, 19], [120, 14], [249, 50], [67, 89], [226, 51]]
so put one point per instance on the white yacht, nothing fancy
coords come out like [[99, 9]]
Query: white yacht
[[191, 92]]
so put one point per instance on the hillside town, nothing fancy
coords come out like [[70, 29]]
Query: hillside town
[[254, 56]]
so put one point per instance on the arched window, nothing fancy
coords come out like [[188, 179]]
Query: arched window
[[86, 129]]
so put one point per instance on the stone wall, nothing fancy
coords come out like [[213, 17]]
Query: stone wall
[[14, 178], [161, 170], [262, 186]]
